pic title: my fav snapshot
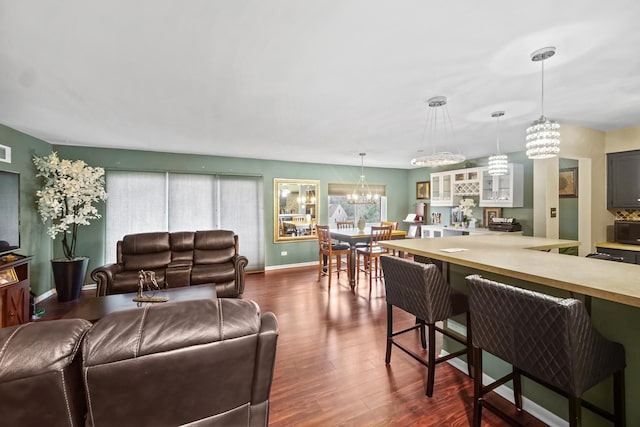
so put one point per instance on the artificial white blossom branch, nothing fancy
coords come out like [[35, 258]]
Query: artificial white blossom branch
[[67, 196]]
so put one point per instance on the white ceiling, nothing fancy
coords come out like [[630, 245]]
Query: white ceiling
[[312, 80]]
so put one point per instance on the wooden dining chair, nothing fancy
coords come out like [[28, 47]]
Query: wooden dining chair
[[394, 226], [327, 250], [372, 253], [343, 225]]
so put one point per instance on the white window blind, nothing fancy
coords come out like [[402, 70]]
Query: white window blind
[[141, 202]]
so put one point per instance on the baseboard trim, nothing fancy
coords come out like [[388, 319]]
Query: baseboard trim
[[52, 292], [283, 266], [528, 405]]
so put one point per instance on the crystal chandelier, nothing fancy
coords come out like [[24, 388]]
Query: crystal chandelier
[[442, 158], [543, 136], [498, 162], [361, 194]]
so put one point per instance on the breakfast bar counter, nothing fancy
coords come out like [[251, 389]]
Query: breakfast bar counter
[[525, 258], [524, 261]]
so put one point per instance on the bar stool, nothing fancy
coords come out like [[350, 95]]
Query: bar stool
[[420, 289], [547, 339]]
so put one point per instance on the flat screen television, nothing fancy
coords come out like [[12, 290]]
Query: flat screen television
[[9, 212]]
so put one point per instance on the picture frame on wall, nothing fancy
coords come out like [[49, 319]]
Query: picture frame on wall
[[568, 182], [423, 190], [491, 213]]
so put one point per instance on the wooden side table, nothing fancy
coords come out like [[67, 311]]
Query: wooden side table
[[14, 290]]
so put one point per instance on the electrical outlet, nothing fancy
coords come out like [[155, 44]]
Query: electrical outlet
[[283, 253]]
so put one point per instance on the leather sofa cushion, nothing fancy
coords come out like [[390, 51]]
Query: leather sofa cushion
[[187, 361], [213, 273], [213, 246], [182, 245], [164, 327], [146, 251], [40, 381]]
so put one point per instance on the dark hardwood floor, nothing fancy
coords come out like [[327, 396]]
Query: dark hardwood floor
[[330, 368]]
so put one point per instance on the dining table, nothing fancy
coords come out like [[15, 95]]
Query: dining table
[[354, 236]]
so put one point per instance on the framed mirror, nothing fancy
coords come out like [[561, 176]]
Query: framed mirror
[[295, 209]]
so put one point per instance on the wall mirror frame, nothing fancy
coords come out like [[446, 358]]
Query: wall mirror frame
[[296, 204]]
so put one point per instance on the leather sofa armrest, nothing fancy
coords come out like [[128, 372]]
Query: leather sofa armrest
[[240, 262], [104, 277], [266, 357]]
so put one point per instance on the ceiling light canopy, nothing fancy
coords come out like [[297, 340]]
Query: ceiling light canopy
[[498, 162], [361, 194], [543, 136], [438, 104]]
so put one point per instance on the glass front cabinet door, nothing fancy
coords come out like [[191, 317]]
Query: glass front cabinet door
[[441, 189], [502, 191]]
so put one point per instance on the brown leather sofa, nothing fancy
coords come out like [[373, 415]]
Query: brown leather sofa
[[206, 362], [178, 259]]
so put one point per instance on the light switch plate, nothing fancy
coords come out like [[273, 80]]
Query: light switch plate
[[5, 154]]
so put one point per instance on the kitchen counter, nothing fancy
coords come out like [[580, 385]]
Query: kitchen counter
[[620, 246], [437, 230]]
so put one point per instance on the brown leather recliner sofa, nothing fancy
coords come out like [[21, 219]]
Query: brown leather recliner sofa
[[198, 362], [178, 259]]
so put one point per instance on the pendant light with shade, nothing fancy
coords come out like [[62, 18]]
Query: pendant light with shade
[[498, 162], [543, 136]]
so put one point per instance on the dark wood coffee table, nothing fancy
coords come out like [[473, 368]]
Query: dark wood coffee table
[[94, 309]]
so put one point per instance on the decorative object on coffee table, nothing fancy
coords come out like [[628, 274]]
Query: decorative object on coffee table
[[147, 279], [69, 190]]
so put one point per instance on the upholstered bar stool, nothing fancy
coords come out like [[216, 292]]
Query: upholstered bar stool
[[420, 289], [550, 340]]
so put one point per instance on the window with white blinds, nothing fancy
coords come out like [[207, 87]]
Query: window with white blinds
[[141, 202]]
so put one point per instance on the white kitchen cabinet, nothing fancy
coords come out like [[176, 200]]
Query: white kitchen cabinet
[[466, 182], [505, 191], [441, 189]]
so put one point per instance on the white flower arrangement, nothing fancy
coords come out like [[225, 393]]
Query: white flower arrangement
[[68, 192], [465, 210]]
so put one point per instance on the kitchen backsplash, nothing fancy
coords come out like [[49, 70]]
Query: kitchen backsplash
[[628, 215]]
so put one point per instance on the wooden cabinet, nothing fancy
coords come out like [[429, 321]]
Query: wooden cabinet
[[442, 189], [502, 191], [14, 296], [623, 180]]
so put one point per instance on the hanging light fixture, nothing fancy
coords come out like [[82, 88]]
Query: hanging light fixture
[[498, 162], [442, 158], [543, 136], [361, 194]]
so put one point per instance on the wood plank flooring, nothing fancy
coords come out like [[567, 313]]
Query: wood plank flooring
[[330, 368]]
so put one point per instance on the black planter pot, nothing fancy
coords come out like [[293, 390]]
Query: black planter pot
[[69, 277]]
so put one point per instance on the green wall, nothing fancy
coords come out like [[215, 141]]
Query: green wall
[[33, 233], [91, 238]]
